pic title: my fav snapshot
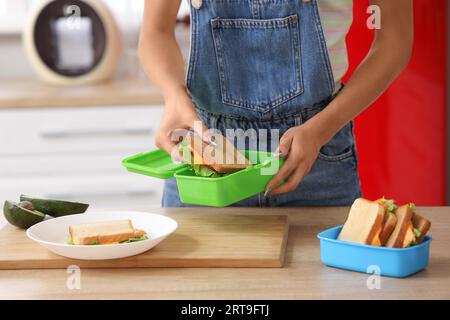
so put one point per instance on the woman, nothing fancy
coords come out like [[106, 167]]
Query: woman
[[276, 64]]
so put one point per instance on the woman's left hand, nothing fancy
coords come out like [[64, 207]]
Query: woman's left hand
[[301, 146]]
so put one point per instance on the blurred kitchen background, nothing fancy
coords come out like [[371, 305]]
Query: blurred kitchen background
[[60, 138], [67, 141]]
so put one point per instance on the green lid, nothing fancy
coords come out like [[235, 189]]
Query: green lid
[[156, 163]]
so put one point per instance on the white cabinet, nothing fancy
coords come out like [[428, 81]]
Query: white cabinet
[[76, 154], [72, 130]]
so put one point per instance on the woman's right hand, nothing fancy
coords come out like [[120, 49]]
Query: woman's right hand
[[163, 62], [179, 117]]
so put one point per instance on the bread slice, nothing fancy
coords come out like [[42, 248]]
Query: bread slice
[[390, 221], [364, 222], [222, 157], [106, 232], [404, 215], [422, 224]]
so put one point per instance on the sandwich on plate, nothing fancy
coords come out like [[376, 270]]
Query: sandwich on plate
[[382, 223], [212, 160], [105, 232]]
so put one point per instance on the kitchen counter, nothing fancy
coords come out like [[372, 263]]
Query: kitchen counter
[[33, 93], [303, 277]]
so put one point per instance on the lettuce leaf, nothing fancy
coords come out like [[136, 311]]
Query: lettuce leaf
[[391, 207], [204, 171], [136, 239], [69, 240], [417, 233]]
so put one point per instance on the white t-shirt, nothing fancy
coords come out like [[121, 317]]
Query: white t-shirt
[[336, 17]]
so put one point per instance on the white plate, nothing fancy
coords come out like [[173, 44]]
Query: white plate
[[53, 233]]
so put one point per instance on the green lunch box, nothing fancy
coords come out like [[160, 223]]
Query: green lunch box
[[216, 192]]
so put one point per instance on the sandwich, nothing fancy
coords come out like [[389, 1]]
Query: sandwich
[[105, 232], [411, 228], [364, 223], [382, 223], [214, 159], [390, 219], [421, 226], [403, 235]]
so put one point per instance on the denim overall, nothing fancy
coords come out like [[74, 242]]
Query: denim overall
[[263, 64]]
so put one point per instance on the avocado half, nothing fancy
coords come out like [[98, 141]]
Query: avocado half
[[21, 217], [55, 208]]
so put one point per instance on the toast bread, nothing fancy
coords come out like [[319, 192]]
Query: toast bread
[[422, 224], [390, 222], [102, 232], [364, 222], [404, 215], [222, 157]]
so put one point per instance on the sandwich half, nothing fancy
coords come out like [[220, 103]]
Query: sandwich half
[[390, 219], [403, 234], [105, 232], [421, 226], [221, 156], [364, 223]]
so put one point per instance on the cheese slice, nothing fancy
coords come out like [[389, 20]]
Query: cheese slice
[[376, 239], [409, 236]]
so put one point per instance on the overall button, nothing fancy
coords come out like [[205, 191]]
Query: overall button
[[197, 4]]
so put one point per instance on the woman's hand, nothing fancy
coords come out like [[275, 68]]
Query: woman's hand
[[163, 62], [179, 116], [301, 146], [380, 67]]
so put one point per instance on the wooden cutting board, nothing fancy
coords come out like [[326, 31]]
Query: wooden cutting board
[[199, 241]]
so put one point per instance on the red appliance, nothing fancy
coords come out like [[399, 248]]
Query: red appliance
[[402, 138]]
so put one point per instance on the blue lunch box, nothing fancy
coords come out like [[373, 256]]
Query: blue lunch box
[[392, 262]]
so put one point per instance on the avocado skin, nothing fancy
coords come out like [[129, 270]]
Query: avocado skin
[[55, 208], [20, 217]]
